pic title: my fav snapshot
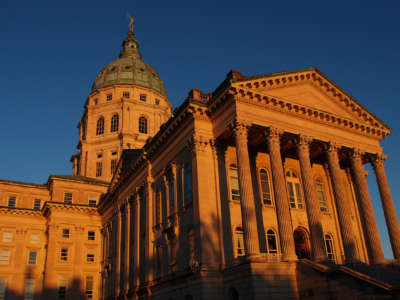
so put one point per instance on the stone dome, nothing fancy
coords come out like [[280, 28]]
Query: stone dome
[[129, 69]]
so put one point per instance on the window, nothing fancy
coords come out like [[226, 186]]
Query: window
[[126, 95], [92, 202], [239, 242], [91, 235], [330, 252], [113, 166], [68, 198], [32, 258], [109, 97], [143, 97], [235, 191], [142, 125], [158, 206], [294, 190], [65, 233], [99, 168], [265, 187], [34, 239], [100, 126], [7, 236], [36, 204], [188, 183], [12, 200], [157, 101], [271, 242], [100, 155], [62, 288], [114, 153], [96, 101], [3, 283], [114, 123], [4, 257], [29, 289], [89, 287], [90, 256], [319, 186], [64, 254], [171, 197]]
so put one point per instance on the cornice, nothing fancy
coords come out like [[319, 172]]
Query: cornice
[[20, 211], [60, 206]]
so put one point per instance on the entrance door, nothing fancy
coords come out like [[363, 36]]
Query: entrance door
[[301, 242]]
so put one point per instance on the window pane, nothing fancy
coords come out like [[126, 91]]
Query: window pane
[[234, 178], [4, 257], [7, 236], [68, 198], [29, 289], [32, 258], [34, 239], [12, 201], [171, 196], [36, 204]]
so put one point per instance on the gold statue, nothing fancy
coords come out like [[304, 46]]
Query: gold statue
[[131, 21]]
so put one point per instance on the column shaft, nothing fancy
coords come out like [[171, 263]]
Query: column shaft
[[312, 203], [281, 198], [248, 211], [389, 210], [342, 204]]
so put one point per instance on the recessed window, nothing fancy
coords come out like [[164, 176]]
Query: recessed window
[[12, 200], [36, 204], [92, 202], [29, 289], [143, 97], [89, 287], [294, 190], [142, 125], [64, 254], [96, 101], [319, 186], [3, 283], [272, 246], [62, 288], [90, 256], [171, 189], [109, 97], [234, 180], [157, 101], [7, 236], [34, 239], [99, 155], [100, 126], [65, 233], [4, 257], [99, 168], [114, 123], [114, 153], [239, 242], [32, 258], [113, 166], [330, 250], [126, 95], [68, 198], [91, 235], [265, 188]]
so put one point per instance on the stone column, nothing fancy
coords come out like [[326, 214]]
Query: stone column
[[136, 239], [280, 193], [342, 205], [311, 199], [128, 245], [248, 209], [387, 203], [372, 239]]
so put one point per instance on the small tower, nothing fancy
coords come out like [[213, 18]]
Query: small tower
[[126, 106]]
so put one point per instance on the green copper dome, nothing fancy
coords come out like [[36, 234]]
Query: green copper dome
[[129, 69]]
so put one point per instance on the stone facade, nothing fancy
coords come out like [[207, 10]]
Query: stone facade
[[256, 190]]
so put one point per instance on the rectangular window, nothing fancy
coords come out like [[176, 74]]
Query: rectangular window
[[12, 200], [91, 235], [7, 236], [65, 233], [34, 239], [188, 183], [89, 287], [3, 284], [36, 204], [113, 166], [143, 97], [99, 168], [64, 254], [29, 289], [234, 177], [90, 256], [92, 202], [239, 243], [109, 97], [32, 258], [4, 257], [171, 197], [126, 94], [62, 288], [68, 198]]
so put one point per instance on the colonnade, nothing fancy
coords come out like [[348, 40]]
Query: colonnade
[[372, 239]]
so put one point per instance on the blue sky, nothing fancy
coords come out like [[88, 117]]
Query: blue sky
[[51, 52]]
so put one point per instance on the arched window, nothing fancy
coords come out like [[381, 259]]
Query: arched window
[[234, 178], [272, 246], [265, 187], [294, 190], [142, 125], [319, 186], [239, 242], [114, 123], [100, 126], [330, 250]]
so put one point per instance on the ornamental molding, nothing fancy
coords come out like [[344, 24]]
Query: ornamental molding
[[20, 211]]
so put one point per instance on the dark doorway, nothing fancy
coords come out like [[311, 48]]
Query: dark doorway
[[301, 242]]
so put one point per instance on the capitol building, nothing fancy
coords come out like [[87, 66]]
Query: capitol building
[[255, 190]]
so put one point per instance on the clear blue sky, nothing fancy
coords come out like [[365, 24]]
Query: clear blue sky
[[51, 51]]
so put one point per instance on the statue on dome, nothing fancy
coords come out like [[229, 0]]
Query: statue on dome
[[131, 21]]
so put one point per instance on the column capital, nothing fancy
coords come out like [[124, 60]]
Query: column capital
[[197, 143], [332, 147], [303, 142], [219, 147], [378, 159], [273, 133]]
